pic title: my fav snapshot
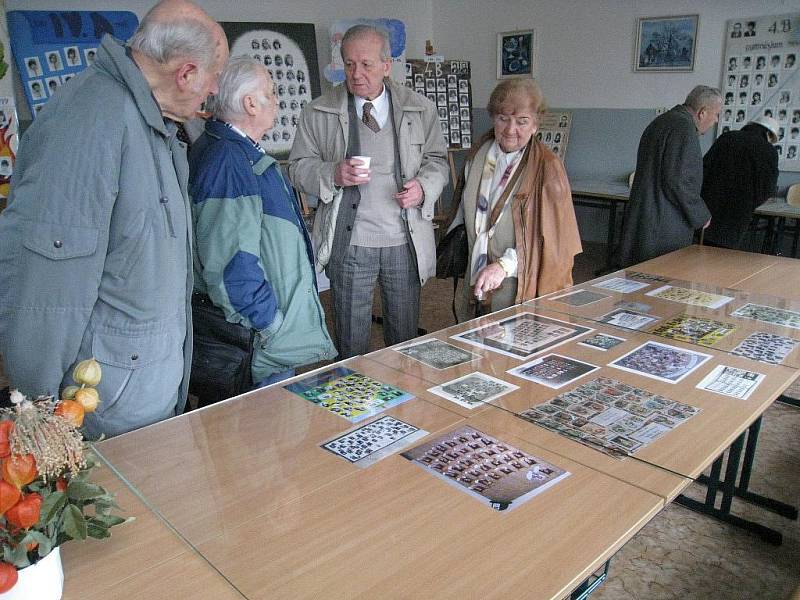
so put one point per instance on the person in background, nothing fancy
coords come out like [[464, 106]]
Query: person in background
[[516, 204], [253, 256], [374, 224], [95, 245], [740, 172], [665, 206]]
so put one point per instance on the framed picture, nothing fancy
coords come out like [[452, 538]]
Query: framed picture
[[666, 43], [515, 54]]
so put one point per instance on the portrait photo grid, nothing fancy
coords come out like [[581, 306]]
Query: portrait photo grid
[[760, 77], [446, 83]]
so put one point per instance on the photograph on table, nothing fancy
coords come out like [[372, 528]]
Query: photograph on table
[[639, 307], [580, 297], [522, 335], [768, 314], [628, 319], [601, 341], [660, 361], [766, 347], [610, 416], [647, 277], [473, 390], [687, 296], [553, 370], [348, 394], [375, 440], [496, 473], [695, 330], [437, 354], [731, 381], [621, 285], [666, 43]]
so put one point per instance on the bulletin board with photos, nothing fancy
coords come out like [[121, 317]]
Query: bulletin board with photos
[[51, 47], [447, 84], [554, 129], [761, 77], [289, 51]]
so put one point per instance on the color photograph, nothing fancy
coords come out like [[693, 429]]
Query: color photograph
[[666, 43]]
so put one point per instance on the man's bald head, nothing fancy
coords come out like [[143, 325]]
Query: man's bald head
[[178, 29]]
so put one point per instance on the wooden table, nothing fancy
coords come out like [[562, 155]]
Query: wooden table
[[247, 504], [777, 211], [142, 559], [606, 195]]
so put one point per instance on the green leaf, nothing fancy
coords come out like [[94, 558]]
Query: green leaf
[[19, 556], [51, 506], [108, 520], [81, 490], [97, 531], [74, 524]]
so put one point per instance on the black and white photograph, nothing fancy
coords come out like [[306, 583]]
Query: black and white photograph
[[37, 89], [437, 354], [766, 347], [473, 390], [602, 341], [54, 62], [580, 297], [369, 443], [33, 67], [73, 56], [731, 381], [553, 370]]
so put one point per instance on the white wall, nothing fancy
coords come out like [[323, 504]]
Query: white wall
[[585, 47]]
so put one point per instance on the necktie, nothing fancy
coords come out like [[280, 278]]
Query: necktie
[[368, 118]]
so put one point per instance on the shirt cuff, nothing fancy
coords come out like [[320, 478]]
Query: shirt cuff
[[509, 262]]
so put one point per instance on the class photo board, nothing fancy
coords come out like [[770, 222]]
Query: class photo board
[[289, 51], [760, 76], [553, 132], [447, 84], [51, 47]]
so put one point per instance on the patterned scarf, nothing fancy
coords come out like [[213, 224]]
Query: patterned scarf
[[487, 196]]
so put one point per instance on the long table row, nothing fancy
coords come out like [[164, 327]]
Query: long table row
[[240, 500]]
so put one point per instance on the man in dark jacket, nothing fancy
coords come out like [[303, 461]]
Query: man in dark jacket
[[665, 207], [740, 172]]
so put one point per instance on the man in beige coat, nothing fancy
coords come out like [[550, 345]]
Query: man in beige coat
[[374, 222]]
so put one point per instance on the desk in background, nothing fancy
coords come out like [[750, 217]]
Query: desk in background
[[605, 195], [777, 211]]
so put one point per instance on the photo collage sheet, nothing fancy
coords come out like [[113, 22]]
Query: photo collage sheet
[[446, 83], [52, 47], [761, 77], [289, 51], [553, 132]]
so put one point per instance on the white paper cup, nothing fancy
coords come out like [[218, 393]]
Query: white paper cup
[[366, 160]]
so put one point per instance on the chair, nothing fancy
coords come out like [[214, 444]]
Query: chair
[[630, 179], [793, 199]]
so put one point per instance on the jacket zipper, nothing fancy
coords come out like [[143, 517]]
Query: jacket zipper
[[164, 202]]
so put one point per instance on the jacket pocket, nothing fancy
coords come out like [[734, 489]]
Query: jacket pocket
[[124, 359], [60, 242]]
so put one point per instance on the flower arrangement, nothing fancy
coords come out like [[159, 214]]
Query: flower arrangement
[[46, 497]]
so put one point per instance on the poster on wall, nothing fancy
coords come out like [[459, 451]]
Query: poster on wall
[[51, 47], [8, 113], [289, 51], [447, 84], [760, 77], [554, 128], [334, 72]]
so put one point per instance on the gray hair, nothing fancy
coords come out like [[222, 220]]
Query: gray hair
[[702, 96], [240, 77], [360, 31], [163, 40]]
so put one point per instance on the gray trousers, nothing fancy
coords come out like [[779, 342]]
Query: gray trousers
[[353, 286]]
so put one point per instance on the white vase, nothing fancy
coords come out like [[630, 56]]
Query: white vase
[[42, 581]]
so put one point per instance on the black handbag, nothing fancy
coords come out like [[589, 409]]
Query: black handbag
[[222, 356], [451, 254]]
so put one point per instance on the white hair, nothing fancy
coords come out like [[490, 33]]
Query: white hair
[[702, 96], [361, 31], [241, 76], [164, 41]]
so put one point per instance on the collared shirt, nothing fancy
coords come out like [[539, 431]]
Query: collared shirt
[[256, 145], [380, 107]]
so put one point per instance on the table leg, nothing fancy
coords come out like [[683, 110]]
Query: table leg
[[777, 240], [610, 235], [594, 580], [766, 245]]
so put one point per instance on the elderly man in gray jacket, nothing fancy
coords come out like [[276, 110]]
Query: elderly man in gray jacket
[[95, 246], [374, 222]]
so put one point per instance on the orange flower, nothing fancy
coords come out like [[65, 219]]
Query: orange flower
[[8, 577], [19, 469], [72, 411], [25, 513], [9, 495], [6, 427]]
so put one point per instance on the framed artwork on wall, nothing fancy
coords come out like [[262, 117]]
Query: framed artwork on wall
[[515, 54], [666, 43]]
